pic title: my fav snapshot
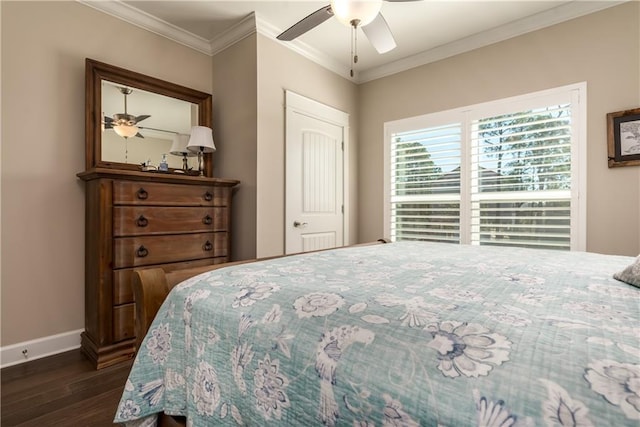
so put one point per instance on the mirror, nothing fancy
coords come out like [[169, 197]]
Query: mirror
[[160, 110]]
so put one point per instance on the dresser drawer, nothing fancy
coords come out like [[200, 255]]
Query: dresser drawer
[[140, 220], [149, 250], [149, 193]]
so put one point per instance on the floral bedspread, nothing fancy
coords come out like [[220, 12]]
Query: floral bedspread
[[402, 334]]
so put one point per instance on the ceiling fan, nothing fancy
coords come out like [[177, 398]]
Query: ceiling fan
[[125, 124], [356, 14]]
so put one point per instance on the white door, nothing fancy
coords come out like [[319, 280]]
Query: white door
[[314, 217]]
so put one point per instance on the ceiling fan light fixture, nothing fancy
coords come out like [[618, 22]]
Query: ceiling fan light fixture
[[126, 131], [124, 124], [362, 11]]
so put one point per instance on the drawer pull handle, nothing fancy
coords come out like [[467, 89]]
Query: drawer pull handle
[[142, 194], [207, 220], [142, 251], [142, 221], [208, 196], [208, 246]]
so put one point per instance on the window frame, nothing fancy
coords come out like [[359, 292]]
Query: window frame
[[575, 94]]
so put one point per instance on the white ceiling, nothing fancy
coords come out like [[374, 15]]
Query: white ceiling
[[425, 31]]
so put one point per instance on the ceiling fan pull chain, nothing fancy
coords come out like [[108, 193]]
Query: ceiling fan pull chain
[[354, 44], [352, 54]]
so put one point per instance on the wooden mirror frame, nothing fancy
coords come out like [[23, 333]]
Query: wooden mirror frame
[[96, 71]]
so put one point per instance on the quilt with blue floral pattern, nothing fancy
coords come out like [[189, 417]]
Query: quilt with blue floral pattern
[[400, 334]]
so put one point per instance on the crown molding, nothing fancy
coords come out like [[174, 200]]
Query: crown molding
[[557, 15], [253, 23], [233, 35], [130, 14]]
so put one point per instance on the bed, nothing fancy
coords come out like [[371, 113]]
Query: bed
[[397, 334]]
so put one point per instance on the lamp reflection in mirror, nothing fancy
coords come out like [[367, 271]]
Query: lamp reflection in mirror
[[201, 142], [179, 148]]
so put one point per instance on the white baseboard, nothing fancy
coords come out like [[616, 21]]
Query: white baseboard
[[36, 349]]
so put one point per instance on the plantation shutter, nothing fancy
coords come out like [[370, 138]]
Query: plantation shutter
[[521, 179], [503, 173], [425, 195]]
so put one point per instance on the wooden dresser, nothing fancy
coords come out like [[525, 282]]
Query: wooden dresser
[[141, 220]]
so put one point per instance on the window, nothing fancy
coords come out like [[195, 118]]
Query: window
[[504, 173]]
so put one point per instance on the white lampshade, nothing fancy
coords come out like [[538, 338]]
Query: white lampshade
[[347, 10], [179, 146], [126, 131], [201, 140]]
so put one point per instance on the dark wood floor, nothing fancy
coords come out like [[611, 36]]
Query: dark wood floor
[[61, 390]]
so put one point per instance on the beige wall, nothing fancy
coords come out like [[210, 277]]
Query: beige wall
[[235, 131], [280, 69], [44, 45], [602, 49]]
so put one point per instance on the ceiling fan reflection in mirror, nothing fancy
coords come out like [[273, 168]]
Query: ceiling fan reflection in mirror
[[356, 14], [125, 124]]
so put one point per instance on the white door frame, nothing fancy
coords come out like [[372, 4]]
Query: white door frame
[[298, 104]]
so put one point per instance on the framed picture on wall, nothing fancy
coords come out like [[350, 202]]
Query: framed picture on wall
[[623, 138]]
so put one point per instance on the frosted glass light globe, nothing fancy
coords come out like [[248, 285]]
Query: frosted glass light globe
[[347, 10], [126, 131]]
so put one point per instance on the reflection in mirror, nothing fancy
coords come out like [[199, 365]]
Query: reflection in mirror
[[152, 119]]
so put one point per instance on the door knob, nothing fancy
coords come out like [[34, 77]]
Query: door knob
[[299, 224]]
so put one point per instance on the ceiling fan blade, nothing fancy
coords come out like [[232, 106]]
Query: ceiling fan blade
[[400, 1], [379, 34], [139, 135], [141, 118], [304, 25]]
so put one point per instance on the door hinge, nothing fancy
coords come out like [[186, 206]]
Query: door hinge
[[342, 209], [342, 145]]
